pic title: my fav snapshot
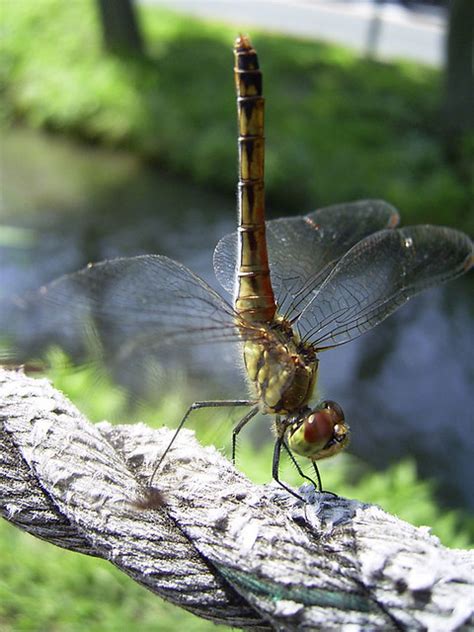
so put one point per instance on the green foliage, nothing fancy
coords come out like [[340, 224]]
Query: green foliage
[[339, 127], [399, 491]]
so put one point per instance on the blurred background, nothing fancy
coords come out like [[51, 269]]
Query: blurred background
[[118, 137]]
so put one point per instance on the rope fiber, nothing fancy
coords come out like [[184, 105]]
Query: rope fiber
[[207, 539]]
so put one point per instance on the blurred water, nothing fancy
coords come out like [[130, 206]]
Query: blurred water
[[406, 387]]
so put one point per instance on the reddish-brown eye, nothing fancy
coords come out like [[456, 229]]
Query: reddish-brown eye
[[337, 414], [322, 433], [318, 427]]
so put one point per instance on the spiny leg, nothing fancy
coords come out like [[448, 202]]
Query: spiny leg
[[276, 467], [299, 470], [196, 406], [241, 424], [320, 485], [318, 477]]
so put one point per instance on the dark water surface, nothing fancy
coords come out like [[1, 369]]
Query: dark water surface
[[406, 386]]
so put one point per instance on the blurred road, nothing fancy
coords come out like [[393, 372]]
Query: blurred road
[[387, 30]]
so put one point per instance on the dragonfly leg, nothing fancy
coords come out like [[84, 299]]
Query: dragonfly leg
[[243, 422], [317, 485], [196, 406], [318, 477], [276, 468], [320, 485]]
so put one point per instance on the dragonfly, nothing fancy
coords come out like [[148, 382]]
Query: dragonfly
[[294, 287]]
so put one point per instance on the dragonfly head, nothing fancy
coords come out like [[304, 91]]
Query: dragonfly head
[[319, 433]]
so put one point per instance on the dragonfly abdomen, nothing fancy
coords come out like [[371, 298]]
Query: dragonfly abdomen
[[253, 294]]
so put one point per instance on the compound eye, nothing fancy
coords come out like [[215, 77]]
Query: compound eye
[[322, 433], [318, 428], [336, 412]]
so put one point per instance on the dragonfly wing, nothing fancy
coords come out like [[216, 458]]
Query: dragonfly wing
[[225, 261], [303, 250], [377, 276], [121, 311]]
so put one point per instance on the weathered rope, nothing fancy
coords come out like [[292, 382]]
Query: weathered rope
[[212, 542]]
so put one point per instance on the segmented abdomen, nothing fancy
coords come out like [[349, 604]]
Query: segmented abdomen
[[253, 293]]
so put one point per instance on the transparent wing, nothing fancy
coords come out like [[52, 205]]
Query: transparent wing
[[376, 276], [303, 250], [122, 312]]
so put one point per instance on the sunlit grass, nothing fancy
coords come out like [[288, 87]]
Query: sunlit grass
[[338, 126]]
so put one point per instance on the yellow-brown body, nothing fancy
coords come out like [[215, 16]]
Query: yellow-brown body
[[253, 293], [282, 371]]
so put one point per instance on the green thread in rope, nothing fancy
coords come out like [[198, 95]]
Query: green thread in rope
[[306, 596]]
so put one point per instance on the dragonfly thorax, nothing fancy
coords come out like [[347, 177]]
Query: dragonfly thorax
[[281, 369]]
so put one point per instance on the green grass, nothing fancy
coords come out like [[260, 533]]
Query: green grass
[[43, 587], [339, 127]]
